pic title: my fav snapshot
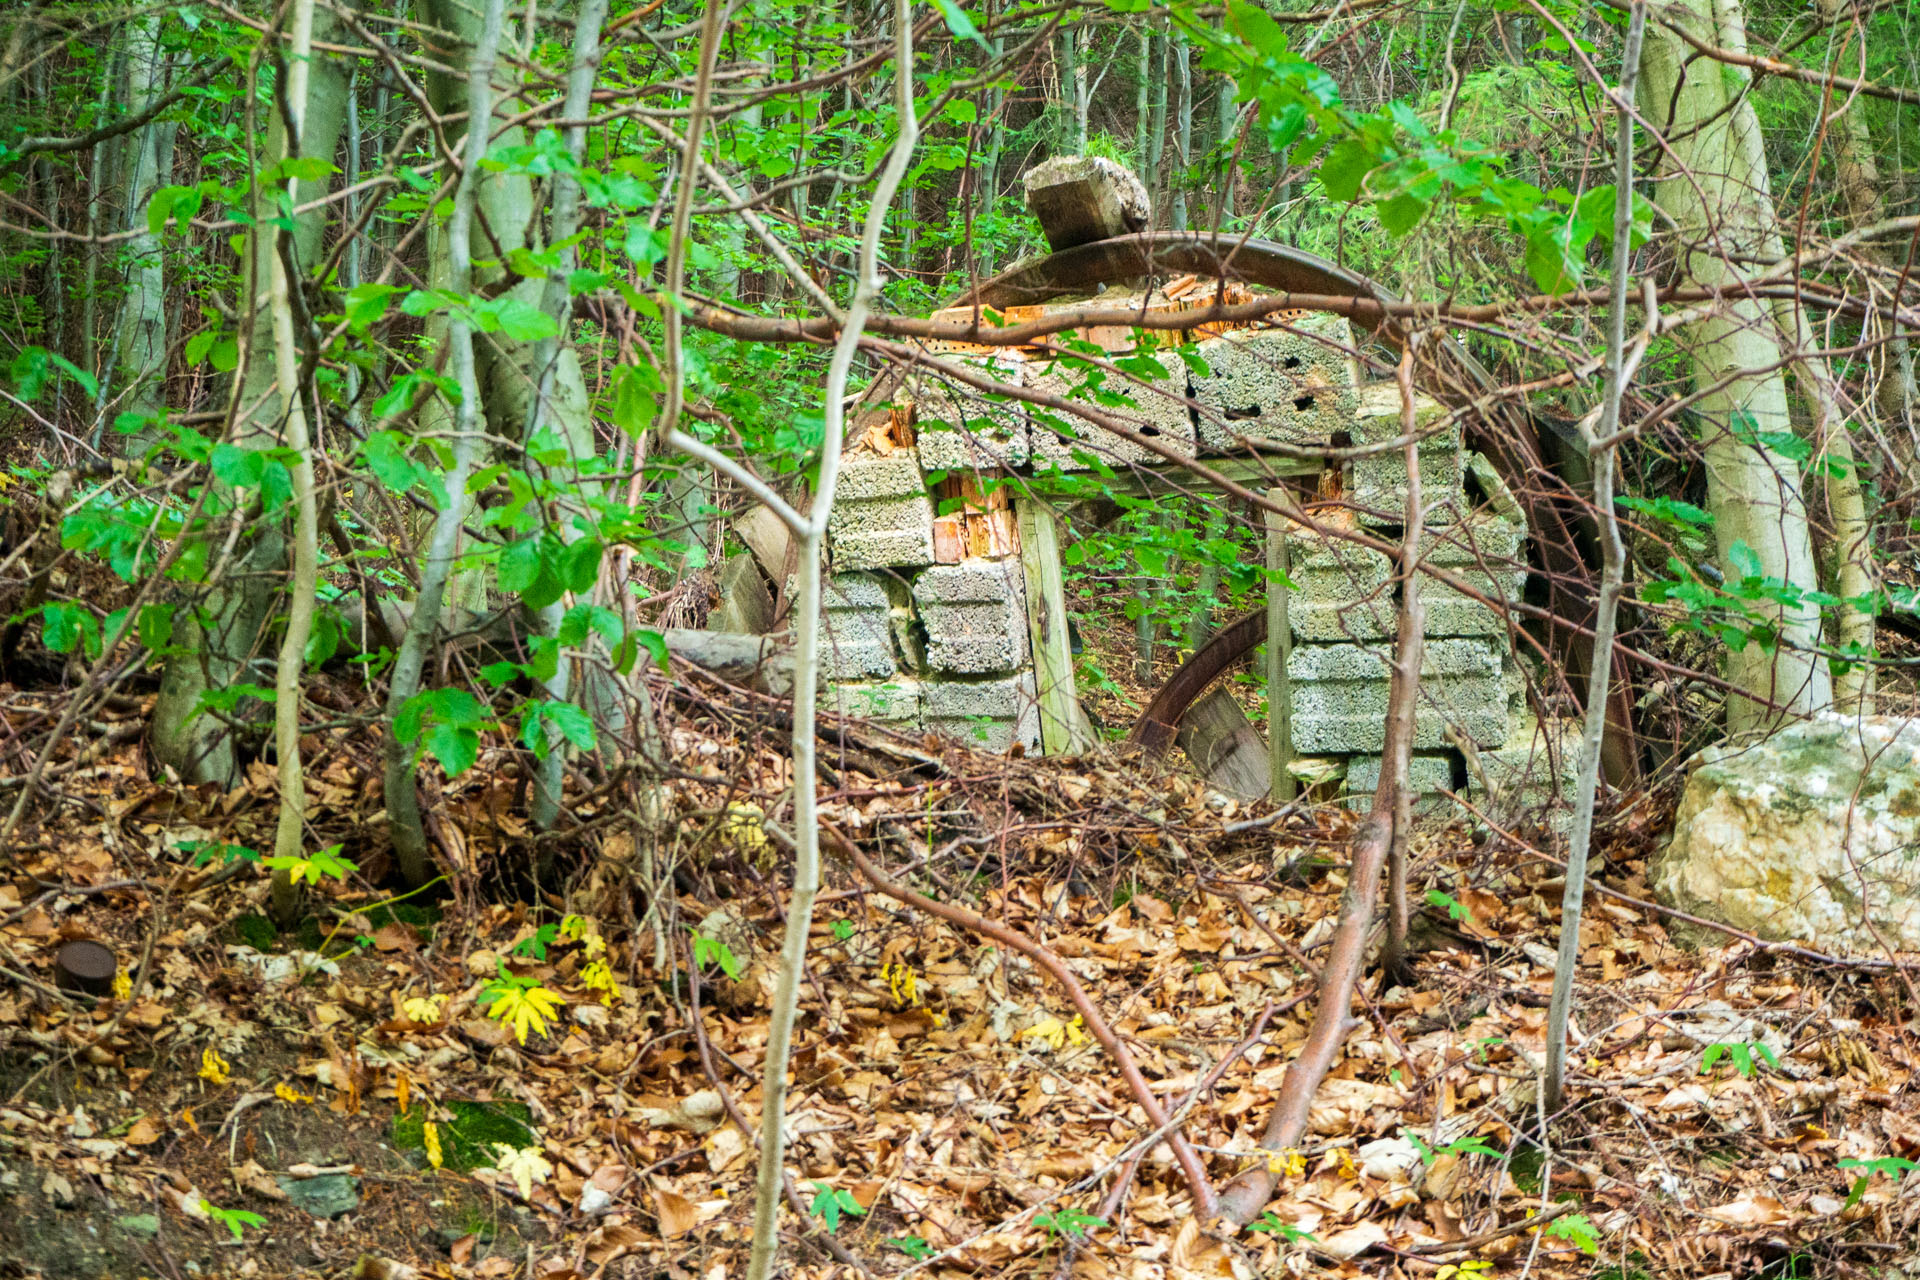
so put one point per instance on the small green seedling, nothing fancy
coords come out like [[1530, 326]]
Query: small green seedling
[[708, 951], [1576, 1229], [234, 1220], [1889, 1166], [536, 943], [1456, 910], [327, 862], [1741, 1054], [1459, 1147], [1067, 1222], [913, 1246], [1272, 1226], [842, 930], [829, 1203]]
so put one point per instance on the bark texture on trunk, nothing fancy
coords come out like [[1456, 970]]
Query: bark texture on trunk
[[1714, 184]]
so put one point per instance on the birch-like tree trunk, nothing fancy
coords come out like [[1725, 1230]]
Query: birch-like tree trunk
[[142, 332], [221, 635], [1714, 184]]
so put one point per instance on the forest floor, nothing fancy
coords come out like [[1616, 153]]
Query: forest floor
[[258, 1104]]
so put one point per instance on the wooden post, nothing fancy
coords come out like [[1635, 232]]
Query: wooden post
[[1279, 645], [1063, 726]]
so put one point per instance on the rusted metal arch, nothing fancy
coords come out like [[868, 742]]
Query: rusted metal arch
[[1508, 434]]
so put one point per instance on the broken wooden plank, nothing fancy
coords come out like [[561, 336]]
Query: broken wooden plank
[[1063, 725], [1224, 746]]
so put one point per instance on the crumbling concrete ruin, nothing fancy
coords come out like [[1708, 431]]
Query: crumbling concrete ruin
[[943, 608]]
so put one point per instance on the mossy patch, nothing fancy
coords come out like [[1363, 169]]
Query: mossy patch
[[468, 1138], [256, 931]]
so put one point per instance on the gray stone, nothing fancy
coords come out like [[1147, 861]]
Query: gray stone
[[1809, 836], [856, 633], [1426, 774], [987, 715], [893, 702], [881, 514], [746, 606], [975, 616], [1343, 591], [146, 1226], [1081, 199], [327, 1196], [1276, 385], [959, 427], [1377, 485], [1154, 409], [1500, 499]]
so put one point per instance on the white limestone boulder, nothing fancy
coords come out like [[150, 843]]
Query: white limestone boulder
[[1809, 836]]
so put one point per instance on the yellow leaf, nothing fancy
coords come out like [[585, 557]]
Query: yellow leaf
[[122, 984], [525, 1165], [1286, 1164], [1051, 1032], [598, 977], [1075, 1036], [423, 1008], [287, 1093], [402, 1087], [430, 1133], [525, 1009], [213, 1067]]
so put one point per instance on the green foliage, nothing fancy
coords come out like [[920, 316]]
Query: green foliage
[[310, 870], [1741, 1054], [1270, 1224], [829, 1203], [1895, 1167], [708, 951], [234, 1220], [1456, 910], [1067, 1222], [1470, 1145]]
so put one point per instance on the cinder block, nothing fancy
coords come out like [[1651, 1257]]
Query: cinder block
[[1341, 696], [1377, 483], [856, 631], [987, 715], [1081, 199], [1538, 774], [975, 616], [1272, 384], [1155, 409], [1344, 591], [1489, 553], [960, 427], [881, 517], [894, 702], [1426, 774]]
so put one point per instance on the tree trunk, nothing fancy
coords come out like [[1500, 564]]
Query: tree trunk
[[1183, 125], [1723, 207], [142, 329], [480, 36], [220, 637], [1157, 126]]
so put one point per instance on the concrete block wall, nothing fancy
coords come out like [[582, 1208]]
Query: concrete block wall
[[943, 647]]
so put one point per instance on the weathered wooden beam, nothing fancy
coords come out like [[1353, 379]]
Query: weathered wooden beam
[[1279, 645], [1224, 746], [1063, 725]]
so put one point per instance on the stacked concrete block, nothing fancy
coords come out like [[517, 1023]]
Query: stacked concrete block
[[1488, 553], [1275, 385], [1156, 409], [1377, 486], [975, 617], [960, 426], [881, 517], [856, 639], [897, 703], [1536, 774], [1340, 696], [987, 715], [1426, 774], [1344, 591]]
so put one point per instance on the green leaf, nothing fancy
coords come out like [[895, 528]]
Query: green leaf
[[1400, 214], [960, 24], [1745, 561], [656, 646], [1577, 1229]]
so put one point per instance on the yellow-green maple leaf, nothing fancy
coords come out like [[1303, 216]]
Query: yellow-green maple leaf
[[524, 1009]]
